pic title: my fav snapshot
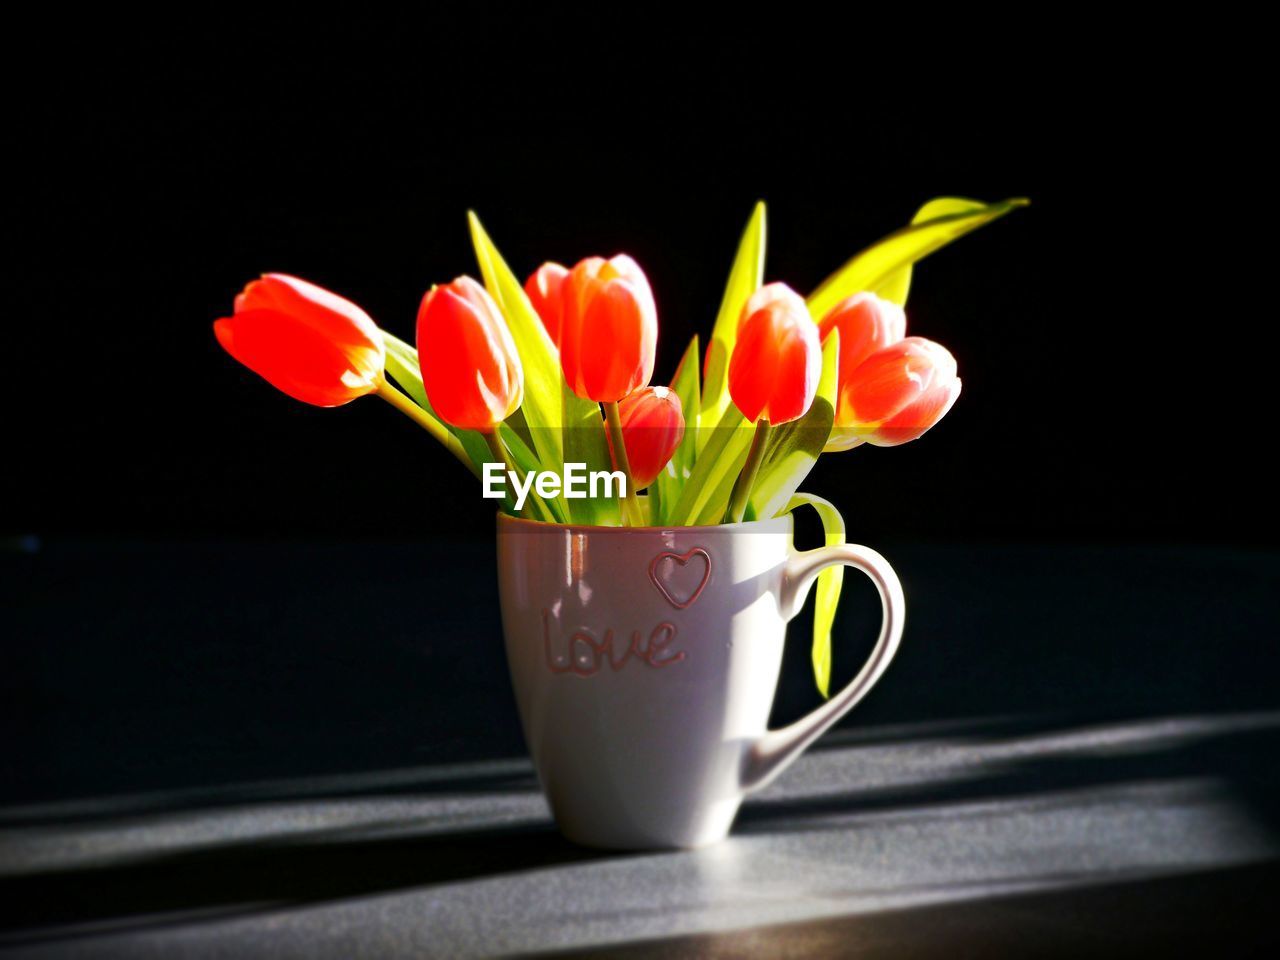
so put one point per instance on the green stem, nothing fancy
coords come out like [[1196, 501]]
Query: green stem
[[747, 478], [631, 514], [425, 420], [501, 456]]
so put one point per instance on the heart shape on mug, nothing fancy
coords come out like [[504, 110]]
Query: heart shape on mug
[[665, 574]]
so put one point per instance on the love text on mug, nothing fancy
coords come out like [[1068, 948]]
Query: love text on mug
[[582, 654]]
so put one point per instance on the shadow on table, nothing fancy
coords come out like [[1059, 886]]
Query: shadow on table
[[1241, 758], [244, 877], [236, 879], [1195, 914], [496, 777]]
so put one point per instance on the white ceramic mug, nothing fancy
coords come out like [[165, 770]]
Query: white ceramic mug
[[645, 662]]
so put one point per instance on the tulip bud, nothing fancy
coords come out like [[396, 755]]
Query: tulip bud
[[310, 343], [777, 360], [609, 329], [866, 323], [652, 428], [470, 368], [544, 288], [895, 395]]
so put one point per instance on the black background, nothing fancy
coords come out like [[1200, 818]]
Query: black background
[[1109, 372], [1056, 532]]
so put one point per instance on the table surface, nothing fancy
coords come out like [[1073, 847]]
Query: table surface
[[311, 750]]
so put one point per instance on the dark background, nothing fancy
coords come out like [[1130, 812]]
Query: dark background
[[1109, 387], [1087, 532], [190, 518]]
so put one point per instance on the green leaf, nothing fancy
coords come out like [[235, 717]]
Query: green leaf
[[794, 447], [527, 461], [685, 385], [517, 423], [827, 593], [646, 510], [717, 503], [896, 287], [402, 366], [550, 408], [745, 277], [898, 283], [879, 267], [653, 501], [585, 441], [726, 446]]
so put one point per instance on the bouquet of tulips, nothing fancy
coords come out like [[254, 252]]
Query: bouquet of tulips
[[521, 382]]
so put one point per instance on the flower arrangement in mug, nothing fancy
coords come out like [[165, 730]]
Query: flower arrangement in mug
[[555, 373]]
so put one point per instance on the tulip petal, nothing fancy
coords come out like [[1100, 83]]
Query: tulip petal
[[294, 357], [777, 360], [610, 329], [752, 371], [623, 266], [800, 367], [866, 324], [794, 447], [891, 378], [545, 288], [332, 316], [652, 428], [916, 418], [778, 295], [470, 369]]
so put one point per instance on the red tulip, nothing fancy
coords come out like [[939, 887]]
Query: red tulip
[[866, 324], [304, 340], [777, 360], [470, 368], [544, 288], [895, 395], [652, 428], [609, 329]]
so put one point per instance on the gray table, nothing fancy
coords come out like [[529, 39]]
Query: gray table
[[190, 777]]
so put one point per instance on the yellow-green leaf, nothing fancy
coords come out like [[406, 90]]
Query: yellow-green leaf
[[685, 385], [726, 446], [715, 506], [467, 445], [879, 267], [527, 462], [898, 284], [402, 366], [517, 423], [827, 593], [550, 408], [745, 277], [585, 441]]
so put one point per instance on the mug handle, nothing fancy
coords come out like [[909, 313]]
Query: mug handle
[[775, 751]]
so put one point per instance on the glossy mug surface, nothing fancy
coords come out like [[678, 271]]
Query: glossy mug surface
[[645, 662]]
